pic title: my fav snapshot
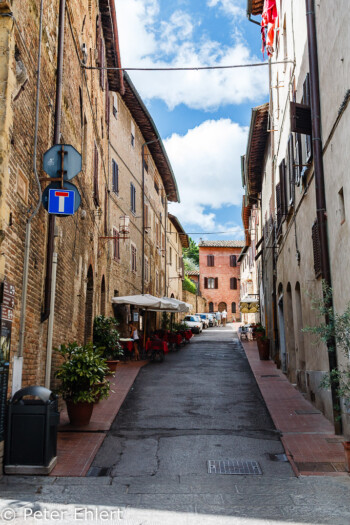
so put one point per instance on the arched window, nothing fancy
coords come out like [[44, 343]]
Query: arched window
[[211, 307], [233, 307], [233, 283]]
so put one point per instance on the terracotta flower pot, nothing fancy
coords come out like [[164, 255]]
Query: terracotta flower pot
[[112, 365], [79, 413], [264, 349], [346, 445]]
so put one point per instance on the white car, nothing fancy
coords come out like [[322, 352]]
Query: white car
[[193, 322], [205, 319]]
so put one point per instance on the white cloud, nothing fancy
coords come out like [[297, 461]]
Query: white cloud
[[206, 163], [229, 7], [147, 41]]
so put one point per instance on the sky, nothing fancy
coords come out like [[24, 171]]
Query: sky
[[202, 117]]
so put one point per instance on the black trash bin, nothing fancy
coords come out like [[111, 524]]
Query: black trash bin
[[31, 435]]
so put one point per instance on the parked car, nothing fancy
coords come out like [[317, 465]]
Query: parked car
[[205, 320], [193, 322]]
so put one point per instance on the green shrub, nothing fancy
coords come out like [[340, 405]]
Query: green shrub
[[106, 337], [188, 285]]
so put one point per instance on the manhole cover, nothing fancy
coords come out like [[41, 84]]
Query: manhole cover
[[233, 466], [307, 412]]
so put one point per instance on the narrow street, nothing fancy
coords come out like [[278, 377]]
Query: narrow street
[[201, 404]]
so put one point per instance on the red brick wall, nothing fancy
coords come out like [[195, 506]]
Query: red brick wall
[[223, 271]]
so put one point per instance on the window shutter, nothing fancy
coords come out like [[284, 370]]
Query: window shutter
[[279, 206], [234, 283], [231, 283], [205, 282], [298, 159], [233, 307], [216, 283], [291, 180], [300, 118], [115, 181], [105, 221], [283, 189], [307, 102], [233, 261], [108, 109], [96, 195], [317, 248]]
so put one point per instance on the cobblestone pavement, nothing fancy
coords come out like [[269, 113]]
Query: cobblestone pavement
[[201, 404]]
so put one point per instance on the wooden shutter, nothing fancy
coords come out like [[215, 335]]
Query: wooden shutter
[[291, 173], [108, 108], [284, 206], [231, 283], [96, 192], [233, 261], [205, 282], [210, 260], [307, 102], [298, 159], [233, 308], [106, 213], [279, 206], [234, 283], [316, 248], [300, 118], [216, 283], [115, 181]]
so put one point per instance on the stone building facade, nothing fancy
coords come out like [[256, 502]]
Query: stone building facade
[[288, 177], [101, 115], [220, 276]]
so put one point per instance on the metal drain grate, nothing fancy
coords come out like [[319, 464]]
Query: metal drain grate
[[233, 466]]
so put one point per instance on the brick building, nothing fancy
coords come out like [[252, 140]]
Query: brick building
[[101, 114], [220, 276]]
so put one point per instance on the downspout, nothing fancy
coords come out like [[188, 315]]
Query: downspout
[[143, 213], [19, 357], [320, 190], [56, 140], [165, 247]]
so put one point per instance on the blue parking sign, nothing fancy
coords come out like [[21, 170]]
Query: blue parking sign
[[61, 202]]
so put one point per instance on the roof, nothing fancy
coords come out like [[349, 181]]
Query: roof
[[222, 244], [182, 234], [192, 272], [110, 34], [254, 161], [150, 133], [246, 211], [255, 7]]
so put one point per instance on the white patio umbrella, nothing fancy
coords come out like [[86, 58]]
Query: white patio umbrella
[[180, 305]]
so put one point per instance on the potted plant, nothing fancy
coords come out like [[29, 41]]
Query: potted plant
[[258, 331], [83, 382], [263, 347], [106, 339]]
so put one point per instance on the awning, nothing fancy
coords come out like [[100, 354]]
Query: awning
[[180, 305], [249, 305], [149, 302]]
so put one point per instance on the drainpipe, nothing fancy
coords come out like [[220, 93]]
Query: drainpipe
[[50, 327], [143, 212], [56, 140], [18, 360], [165, 247], [320, 188]]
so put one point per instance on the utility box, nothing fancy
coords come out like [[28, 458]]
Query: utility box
[[31, 434]]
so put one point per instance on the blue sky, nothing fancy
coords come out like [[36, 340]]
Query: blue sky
[[202, 117]]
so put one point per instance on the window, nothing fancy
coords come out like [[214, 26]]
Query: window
[[211, 307], [291, 172], [107, 103], [233, 283], [133, 258], [132, 198], [163, 244], [115, 177], [96, 192], [341, 206], [210, 260], [233, 261], [233, 308], [116, 252], [307, 102], [146, 217], [170, 256], [157, 233], [211, 283], [156, 184], [145, 164], [132, 134], [316, 248], [283, 190], [115, 105]]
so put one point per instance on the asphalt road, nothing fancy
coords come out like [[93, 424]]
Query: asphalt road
[[201, 405]]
